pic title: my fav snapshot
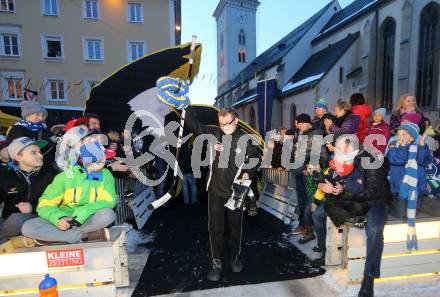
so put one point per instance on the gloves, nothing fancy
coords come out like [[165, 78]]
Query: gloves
[[240, 193]]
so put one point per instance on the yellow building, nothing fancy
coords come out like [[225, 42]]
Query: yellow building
[[61, 48]]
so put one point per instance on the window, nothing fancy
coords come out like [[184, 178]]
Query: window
[[388, 46], [91, 9], [252, 119], [89, 85], [222, 60], [135, 13], [12, 85], [241, 38], [428, 57], [222, 41], [7, 5], [56, 90], [341, 75], [136, 49], [242, 56], [9, 44], [93, 49], [50, 7], [53, 47]]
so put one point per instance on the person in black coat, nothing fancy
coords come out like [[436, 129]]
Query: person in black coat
[[22, 183], [373, 200], [222, 175]]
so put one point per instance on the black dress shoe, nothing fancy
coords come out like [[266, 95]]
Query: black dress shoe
[[367, 287], [215, 273], [236, 266]]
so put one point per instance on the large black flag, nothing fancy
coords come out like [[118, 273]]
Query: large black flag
[[132, 86]]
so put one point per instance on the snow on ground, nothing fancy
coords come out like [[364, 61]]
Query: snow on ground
[[138, 253], [333, 282]]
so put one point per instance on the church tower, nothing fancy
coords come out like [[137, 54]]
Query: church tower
[[236, 37]]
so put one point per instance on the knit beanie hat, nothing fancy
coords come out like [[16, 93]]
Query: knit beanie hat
[[412, 117], [382, 112], [321, 103], [31, 107], [412, 129]]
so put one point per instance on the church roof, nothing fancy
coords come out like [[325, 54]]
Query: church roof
[[275, 53], [349, 14], [315, 68]]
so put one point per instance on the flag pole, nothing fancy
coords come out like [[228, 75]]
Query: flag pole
[[164, 199]]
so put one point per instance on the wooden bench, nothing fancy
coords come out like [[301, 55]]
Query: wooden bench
[[346, 246], [96, 269]]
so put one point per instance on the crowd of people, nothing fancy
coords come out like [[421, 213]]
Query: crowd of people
[[61, 189], [339, 187]]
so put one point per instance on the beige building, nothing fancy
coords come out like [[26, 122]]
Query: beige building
[[61, 48], [382, 48]]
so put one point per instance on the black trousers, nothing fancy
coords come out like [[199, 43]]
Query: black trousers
[[224, 225]]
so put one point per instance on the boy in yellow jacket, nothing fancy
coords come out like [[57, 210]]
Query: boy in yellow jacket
[[76, 207]]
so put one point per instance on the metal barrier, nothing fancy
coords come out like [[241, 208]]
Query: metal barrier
[[281, 177], [279, 193], [134, 206]]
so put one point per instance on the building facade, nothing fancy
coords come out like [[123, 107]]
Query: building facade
[[236, 35], [382, 48], [61, 48]]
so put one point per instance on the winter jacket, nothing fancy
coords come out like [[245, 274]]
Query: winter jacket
[[382, 129], [398, 157], [18, 186], [364, 112], [318, 123], [185, 159], [76, 196], [376, 185], [347, 124], [20, 131], [351, 204], [395, 122], [221, 178], [277, 154], [299, 150]]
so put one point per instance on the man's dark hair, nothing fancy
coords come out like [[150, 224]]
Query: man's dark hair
[[92, 115], [357, 99]]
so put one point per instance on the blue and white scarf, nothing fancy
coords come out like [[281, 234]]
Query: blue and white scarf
[[34, 127], [408, 191]]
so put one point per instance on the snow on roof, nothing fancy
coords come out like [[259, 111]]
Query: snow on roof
[[294, 85], [339, 18]]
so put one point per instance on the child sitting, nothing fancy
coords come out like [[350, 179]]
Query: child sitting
[[406, 152], [76, 208], [32, 124], [378, 126], [22, 183]]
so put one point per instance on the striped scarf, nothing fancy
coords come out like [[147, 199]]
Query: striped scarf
[[408, 191], [34, 127]]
